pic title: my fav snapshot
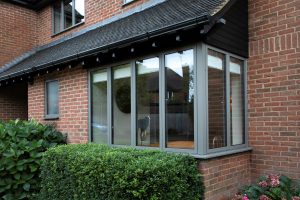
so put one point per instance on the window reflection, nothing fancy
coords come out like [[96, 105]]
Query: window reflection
[[57, 16], [99, 107], [147, 99], [179, 69], [236, 101], [79, 11], [216, 99], [68, 7], [121, 105]]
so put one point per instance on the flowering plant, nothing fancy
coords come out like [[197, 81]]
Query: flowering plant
[[271, 187]]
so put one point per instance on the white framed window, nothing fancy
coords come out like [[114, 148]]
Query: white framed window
[[186, 100], [51, 99], [67, 13]]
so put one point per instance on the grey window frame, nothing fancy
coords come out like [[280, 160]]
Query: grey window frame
[[201, 149], [50, 116], [228, 146], [62, 21]]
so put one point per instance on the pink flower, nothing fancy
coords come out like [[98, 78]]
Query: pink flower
[[264, 197], [245, 197], [274, 180], [296, 198], [237, 197], [263, 184]]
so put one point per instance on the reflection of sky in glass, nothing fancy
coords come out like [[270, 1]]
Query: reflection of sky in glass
[[148, 66], [99, 77], [176, 61], [79, 6], [235, 68], [215, 62], [122, 72]]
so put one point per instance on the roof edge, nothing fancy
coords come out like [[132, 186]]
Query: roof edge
[[147, 35]]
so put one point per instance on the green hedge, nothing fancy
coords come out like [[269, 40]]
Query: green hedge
[[94, 171], [21, 147]]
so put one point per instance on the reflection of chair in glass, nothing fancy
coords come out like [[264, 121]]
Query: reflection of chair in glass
[[143, 125], [217, 142]]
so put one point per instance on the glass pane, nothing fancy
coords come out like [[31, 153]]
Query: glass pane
[[128, 1], [57, 16], [52, 97], [216, 99], [79, 11], [236, 101], [147, 98], [99, 107], [180, 100], [68, 7], [121, 105]]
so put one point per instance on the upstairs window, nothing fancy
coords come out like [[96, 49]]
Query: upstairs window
[[67, 13]]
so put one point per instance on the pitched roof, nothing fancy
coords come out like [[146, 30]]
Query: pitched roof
[[168, 15]]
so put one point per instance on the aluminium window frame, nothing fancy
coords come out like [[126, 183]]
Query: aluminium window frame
[[62, 21], [46, 115], [201, 148], [228, 146]]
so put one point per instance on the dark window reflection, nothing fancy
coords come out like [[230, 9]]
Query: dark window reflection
[[179, 69], [68, 7], [57, 17], [216, 99], [147, 99]]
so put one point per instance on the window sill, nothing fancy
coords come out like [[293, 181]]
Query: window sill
[[51, 117], [223, 153], [67, 29]]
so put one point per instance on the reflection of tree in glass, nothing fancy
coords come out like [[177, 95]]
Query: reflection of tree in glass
[[122, 94]]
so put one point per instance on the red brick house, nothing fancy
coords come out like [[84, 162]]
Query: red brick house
[[218, 79]]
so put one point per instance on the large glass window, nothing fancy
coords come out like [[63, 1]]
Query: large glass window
[[67, 13], [216, 99], [52, 100], [179, 85], [147, 102], [121, 104], [99, 123], [153, 103]]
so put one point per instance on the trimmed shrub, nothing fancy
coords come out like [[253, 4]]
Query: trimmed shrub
[[21, 147], [94, 171], [271, 187]]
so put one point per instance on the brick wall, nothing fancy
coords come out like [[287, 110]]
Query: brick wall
[[223, 176], [13, 102], [17, 32], [95, 11], [274, 86], [73, 102]]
